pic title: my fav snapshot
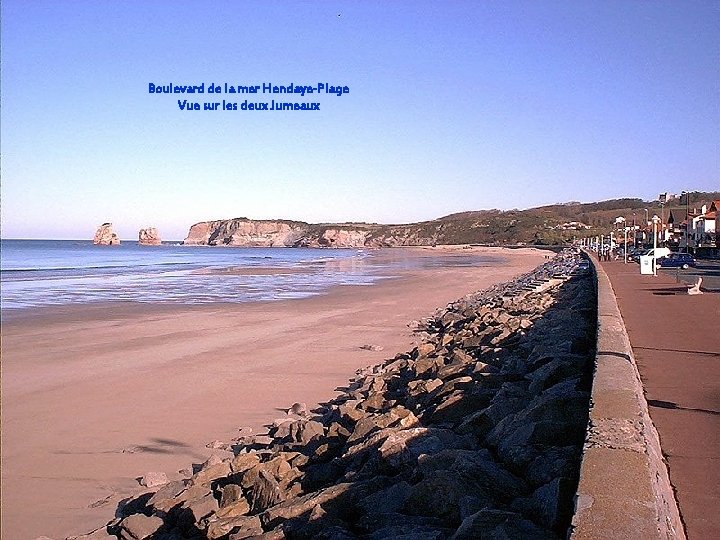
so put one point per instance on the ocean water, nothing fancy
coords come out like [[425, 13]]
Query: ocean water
[[37, 273]]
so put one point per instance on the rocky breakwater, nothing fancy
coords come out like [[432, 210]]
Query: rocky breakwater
[[475, 433], [149, 237], [105, 236]]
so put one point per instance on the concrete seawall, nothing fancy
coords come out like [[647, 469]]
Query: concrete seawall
[[624, 490]]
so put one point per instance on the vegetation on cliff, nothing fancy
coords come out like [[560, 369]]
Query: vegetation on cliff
[[545, 225]]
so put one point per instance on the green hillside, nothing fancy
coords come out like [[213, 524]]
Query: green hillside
[[545, 225]]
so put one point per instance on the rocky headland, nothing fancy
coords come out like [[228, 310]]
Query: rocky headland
[[245, 232], [476, 432], [105, 236], [556, 224], [149, 237], [277, 233]]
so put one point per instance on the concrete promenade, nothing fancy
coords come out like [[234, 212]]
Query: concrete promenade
[[676, 343]]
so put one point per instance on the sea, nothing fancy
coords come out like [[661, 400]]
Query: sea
[[39, 273]]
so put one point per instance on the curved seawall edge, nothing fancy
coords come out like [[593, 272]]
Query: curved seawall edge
[[624, 490]]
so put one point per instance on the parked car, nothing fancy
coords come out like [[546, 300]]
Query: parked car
[[657, 253], [634, 254], [677, 260]]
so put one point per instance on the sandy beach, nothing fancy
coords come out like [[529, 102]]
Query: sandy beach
[[94, 397]]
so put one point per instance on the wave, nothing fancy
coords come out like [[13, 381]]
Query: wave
[[95, 267]]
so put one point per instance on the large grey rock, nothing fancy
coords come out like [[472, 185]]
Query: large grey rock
[[390, 499], [139, 527], [187, 495], [230, 494], [235, 527], [552, 503], [437, 495], [167, 492], [244, 462], [211, 472], [500, 525], [195, 510], [154, 479], [554, 462], [265, 492], [303, 432]]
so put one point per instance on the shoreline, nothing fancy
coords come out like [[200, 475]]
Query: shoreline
[[248, 281], [94, 398], [79, 311]]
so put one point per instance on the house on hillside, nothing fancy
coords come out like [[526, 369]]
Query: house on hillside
[[707, 226], [674, 230], [702, 226], [716, 204], [702, 230], [572, 226]]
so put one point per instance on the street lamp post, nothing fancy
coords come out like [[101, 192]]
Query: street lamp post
[[662, 223], [621, 220], [655, 220], [626, 239], [687, 220]]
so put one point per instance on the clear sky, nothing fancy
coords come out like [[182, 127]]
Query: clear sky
[[452, 106]]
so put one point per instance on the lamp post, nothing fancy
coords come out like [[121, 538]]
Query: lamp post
[[687, 220], [626, 239], [621, 221], [687, 217], [655, 221], [662, 222]]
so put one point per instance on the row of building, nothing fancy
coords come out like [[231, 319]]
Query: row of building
[[686, 228]]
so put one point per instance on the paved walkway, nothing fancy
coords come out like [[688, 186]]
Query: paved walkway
[[676, 342]]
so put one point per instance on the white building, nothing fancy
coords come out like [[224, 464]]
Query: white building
[[702, 226]]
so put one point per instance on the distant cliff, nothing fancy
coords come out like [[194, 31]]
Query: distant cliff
[[283, 233], [545, 225], [246, 232]]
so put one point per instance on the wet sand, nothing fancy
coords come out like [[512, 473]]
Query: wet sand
[[94, 397]]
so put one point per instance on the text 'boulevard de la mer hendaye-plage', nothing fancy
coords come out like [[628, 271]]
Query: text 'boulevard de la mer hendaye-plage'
[[265, 88]]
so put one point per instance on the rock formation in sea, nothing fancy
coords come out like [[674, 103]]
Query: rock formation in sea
[[105, 236], [149, 237], [475, 433]]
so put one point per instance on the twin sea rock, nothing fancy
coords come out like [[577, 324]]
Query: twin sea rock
[[105, 236]]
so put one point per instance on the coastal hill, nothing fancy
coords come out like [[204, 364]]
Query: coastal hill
[[544, 225]]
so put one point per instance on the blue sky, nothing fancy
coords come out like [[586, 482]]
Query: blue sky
[[452, 106]]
